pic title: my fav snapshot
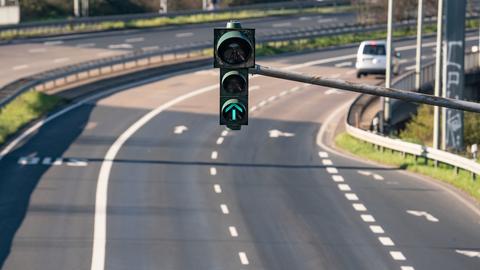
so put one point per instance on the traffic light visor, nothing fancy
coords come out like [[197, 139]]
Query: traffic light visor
[[234, 48]]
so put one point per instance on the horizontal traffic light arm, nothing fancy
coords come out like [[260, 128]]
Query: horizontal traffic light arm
[[367, 89]]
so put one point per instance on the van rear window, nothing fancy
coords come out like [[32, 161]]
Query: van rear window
[[374, 50]]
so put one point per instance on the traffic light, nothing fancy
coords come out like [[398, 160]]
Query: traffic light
[[234, 54]]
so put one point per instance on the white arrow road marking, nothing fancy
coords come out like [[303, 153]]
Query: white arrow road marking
[[469, 253], [180, 129], [428, 216], [275, 133]]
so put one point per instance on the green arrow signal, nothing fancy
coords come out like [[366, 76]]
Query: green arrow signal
[[234, 105]]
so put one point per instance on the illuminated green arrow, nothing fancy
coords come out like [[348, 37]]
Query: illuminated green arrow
[[234, 107]]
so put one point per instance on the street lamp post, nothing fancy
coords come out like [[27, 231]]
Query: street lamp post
[[388, 71], [438, 78], [418, 67]]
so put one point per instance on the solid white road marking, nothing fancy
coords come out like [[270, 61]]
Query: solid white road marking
[[85, 45], [386, 241], [285, 24], [224, 208], [283, 93], [351, 196], [217, 188], [294, 89], [407, 268], [134, 40], [332, 91], [368, 218], [224, 133], [213, 171], [397, 255], [428, 216], [272, 98], [180, 129], [376, 229], [327, 162], [378, 177], [220, 140], [183, 35], [469, 253], [214, 155], [332, 170], [61, 60], [344, 64], [120, 46], [20, 67], [51, 43], [359, 207], [233, 231], [338, 178], [58, 162], [275, 133], [344, 187], [323, 154], [243, 258], [261, 104]]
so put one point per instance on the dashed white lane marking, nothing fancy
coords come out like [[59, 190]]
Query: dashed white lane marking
[[275, 133], [332, 170], [261, 104], [407, 268], [326, 20], [150, 48], [397, 255], [323, 154], [285, 24], [180, 129], [359, 207], [368, 218], [332, 91], [61, 60], [72, 162], [37, 50], [294, 89], [272, 98], [344, 187], [376, 229], [366, 173], [253, 88], [224, 209], [134, 40], [47, 161], [378, 177], [243, 258], [304, 84], [351, 196], [220, 140], [338, 178], [427, 215], [52, 43], [184, 35], [214, 155], [327, 162], [213, 171], [217, 188], [469, 253], [85, 45], [76, 162], [120, 46], [254, 108], [233, 231], [386, 241], [224, 133], [304, 18], [20, 67], [283, 93], [344, 64]]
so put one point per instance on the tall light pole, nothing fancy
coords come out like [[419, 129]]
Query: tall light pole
[[76, 8], [418, 67], [388, 71], [438, 78], [163, 6]]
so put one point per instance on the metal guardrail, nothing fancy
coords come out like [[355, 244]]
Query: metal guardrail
[[407, 82], [64, 26]]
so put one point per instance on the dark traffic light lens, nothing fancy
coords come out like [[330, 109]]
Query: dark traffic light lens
[[235, 51], [234, 83]]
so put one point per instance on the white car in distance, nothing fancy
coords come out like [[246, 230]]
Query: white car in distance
[[372, 58]]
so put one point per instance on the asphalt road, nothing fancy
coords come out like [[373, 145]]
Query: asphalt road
[[146, 178]]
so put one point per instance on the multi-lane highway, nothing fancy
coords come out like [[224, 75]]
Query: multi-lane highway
[[140, 176]]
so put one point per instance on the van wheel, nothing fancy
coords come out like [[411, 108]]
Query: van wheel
[[359, 75]]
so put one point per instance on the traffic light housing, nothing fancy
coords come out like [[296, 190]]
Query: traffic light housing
[[234, 54]]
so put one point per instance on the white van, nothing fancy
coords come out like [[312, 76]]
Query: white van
[[372, 58]]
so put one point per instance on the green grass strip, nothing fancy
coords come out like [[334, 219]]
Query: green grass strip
[[24, 109], [443, 172]]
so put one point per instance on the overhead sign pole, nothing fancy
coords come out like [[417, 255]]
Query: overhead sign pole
[[453, 82], [388, 72], [418, 66], [438, 76]]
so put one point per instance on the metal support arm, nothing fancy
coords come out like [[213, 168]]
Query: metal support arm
[[367, 89]]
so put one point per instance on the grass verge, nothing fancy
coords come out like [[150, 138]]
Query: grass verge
[[443, 172], [24, 109]]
